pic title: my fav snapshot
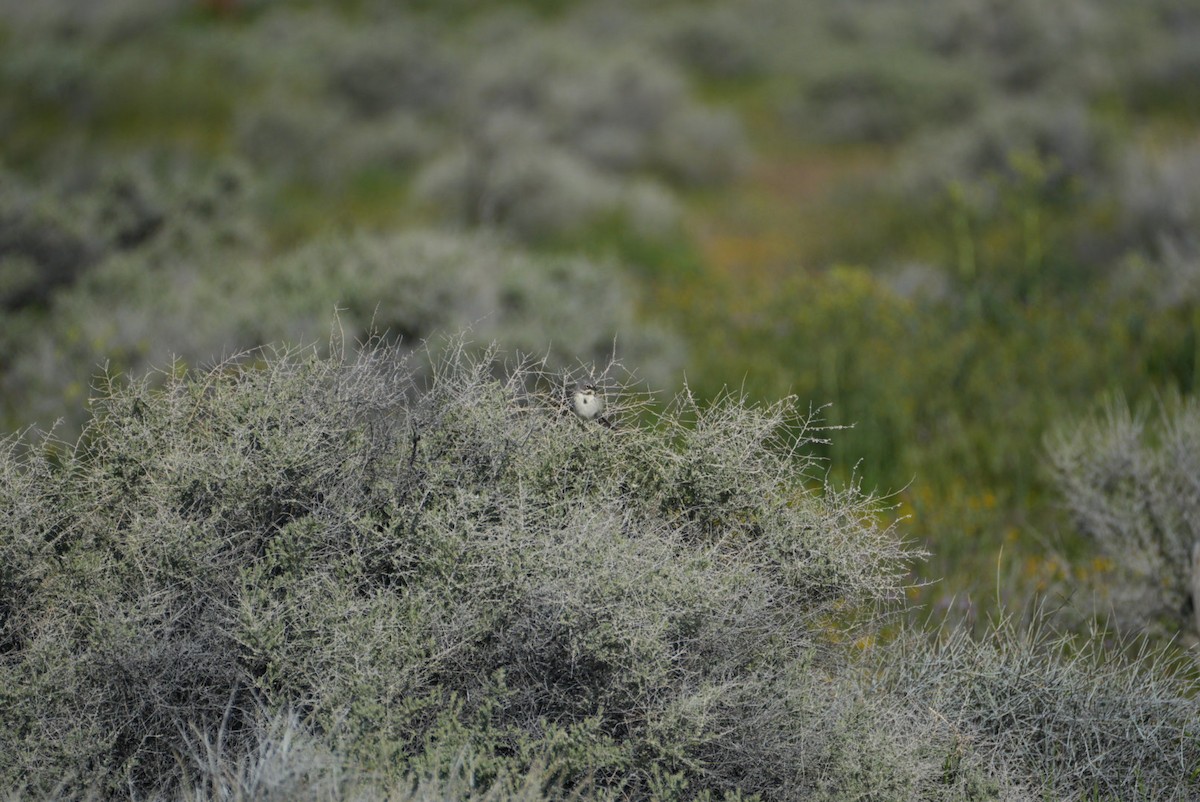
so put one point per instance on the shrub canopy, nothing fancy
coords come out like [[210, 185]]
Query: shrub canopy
[[346, 576], [421, 571]]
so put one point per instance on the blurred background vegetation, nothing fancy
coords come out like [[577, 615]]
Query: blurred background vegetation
[[959, 224]]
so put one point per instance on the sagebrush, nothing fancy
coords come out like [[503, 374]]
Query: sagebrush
[[342, 577]]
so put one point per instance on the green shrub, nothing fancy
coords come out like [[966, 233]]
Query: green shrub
[[1161, 75], [514, 181], [287, 762], [423, 571], [340, 100], [400, 65], [152, 205], [1022, 45], [297, 574], [720, 42], [104, 24], [560, 131], [307, 142], [1160, 204], [882, 97], [1069, 716], [1056, 133], [211, 301], [532, 128], [1128, 483], [41, 246]]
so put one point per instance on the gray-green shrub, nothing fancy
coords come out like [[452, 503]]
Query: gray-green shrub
[[883, 96], [1160, 203], [986, 151], [338, 576], [1071, 717], [420, 571], [556, 129], [1129, 482], [533, 128], [210, 301]]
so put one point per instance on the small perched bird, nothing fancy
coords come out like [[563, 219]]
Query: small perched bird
[[588, 404]]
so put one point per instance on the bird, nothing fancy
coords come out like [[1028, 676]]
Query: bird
[[589, 404]]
